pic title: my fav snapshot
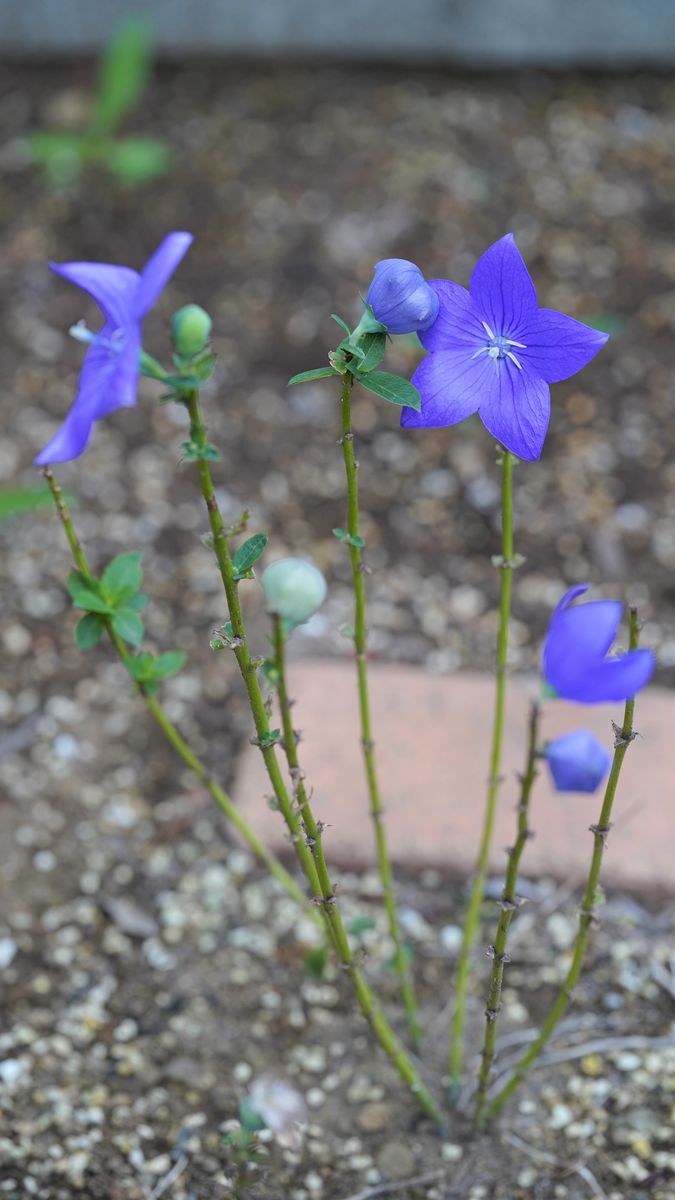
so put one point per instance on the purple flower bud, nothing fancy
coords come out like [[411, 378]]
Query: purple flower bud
[[578, 762], [401, 298]]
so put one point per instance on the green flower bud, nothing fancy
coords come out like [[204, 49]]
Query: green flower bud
[[294, 589], [191, 330]]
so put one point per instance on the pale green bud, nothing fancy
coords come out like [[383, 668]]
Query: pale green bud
[[294, 589], [191, 330]]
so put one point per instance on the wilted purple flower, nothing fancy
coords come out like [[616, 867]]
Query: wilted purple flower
[[494, 352], [109, 375], [578, 762], [401, 298], [575, 662]]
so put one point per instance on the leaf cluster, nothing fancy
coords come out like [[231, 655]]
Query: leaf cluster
[[123, 74], [360, 356]]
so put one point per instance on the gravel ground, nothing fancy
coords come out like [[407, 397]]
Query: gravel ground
[[148, 967]]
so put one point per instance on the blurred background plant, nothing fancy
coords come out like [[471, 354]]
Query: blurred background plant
[[123, 74], [14, 502]]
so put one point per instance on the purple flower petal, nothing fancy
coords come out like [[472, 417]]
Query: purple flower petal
[[578, 762], [110, 286], [450, 385], [122, 384], [97, 371], [614, 679], [159, 269], [502, 288], [558, 346], [515, 407], [458, 323]]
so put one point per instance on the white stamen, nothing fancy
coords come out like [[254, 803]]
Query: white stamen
[[81, 333], [514, 360], [487, 329]]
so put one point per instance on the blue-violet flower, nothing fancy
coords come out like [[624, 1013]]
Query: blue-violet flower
[[575, 660], [401, 298], [578, 762], [109, 375], [494, 351]]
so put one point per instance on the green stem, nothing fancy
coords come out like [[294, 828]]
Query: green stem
[[590, 900], [482, 862], [169, 730], [314, 836], [248, 667], [367, 744], [508, 905]]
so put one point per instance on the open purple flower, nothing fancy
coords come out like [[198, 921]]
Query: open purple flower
[[401, 298], [578, 762], [109, 375], [575, 660], [494, 351]]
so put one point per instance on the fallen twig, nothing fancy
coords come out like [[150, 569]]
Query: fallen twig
[[402, 1185]]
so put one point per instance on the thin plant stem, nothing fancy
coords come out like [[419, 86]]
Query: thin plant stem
[[248, 666], [506, 566], [508, 904], [401, 962], [172, 735], [313, 830], [590, 901]]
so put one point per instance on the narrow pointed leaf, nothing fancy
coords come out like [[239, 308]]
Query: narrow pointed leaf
[[249, 552], [308, 376], [390, 387]]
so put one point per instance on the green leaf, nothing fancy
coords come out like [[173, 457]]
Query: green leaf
[[136, 160], [169, 663], [142, 667], [85, 594], [308, 376], [192, 451], [15, 501], [123, 74], [137, 602], [344, 535], [341, 323], [89, 631], [374, 346], [128, 625], [61, 154], [249, 552], [315, 962], [249, 1117], [390, 387], [406, 955], [361, 925], [123, 576]]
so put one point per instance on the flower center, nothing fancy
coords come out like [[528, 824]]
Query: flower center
[[499, 347]]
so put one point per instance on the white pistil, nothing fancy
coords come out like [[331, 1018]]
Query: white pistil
[[497, 348]]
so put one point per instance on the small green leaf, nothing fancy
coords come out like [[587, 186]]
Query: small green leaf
[[137, 602], [316, 960], [249, 552], [84, 592], [128, 625], [169, 663], [192, 451], [341, 323], [136, 160], [123, 576], [142, 666], [250, 1119], [390, 387], [360, 925], [374, 346], [268, 739], [124, 72], [344, 535], [89, 631], [308, 376]]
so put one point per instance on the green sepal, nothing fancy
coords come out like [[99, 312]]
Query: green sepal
[[89, 631], [192, 451], [85, 593], [343, 535], [369, 322], [128, 625], [122, 577], [390, 387], [248, 553], [317, 373], [182, 383]]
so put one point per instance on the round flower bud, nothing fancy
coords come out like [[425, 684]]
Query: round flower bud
[[191, 330], [294, 589], [401, 298], [578, 762]]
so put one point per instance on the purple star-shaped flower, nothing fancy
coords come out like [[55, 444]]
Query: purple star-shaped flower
[[494, 351], [109, 375], [578, 762], [575, 660]]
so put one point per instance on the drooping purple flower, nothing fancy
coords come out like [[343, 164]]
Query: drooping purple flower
[[578, 762], [109, 375], [494, 351], [401, 298], [575, 660]]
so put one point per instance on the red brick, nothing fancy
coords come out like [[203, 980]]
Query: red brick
[[432, 736]]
